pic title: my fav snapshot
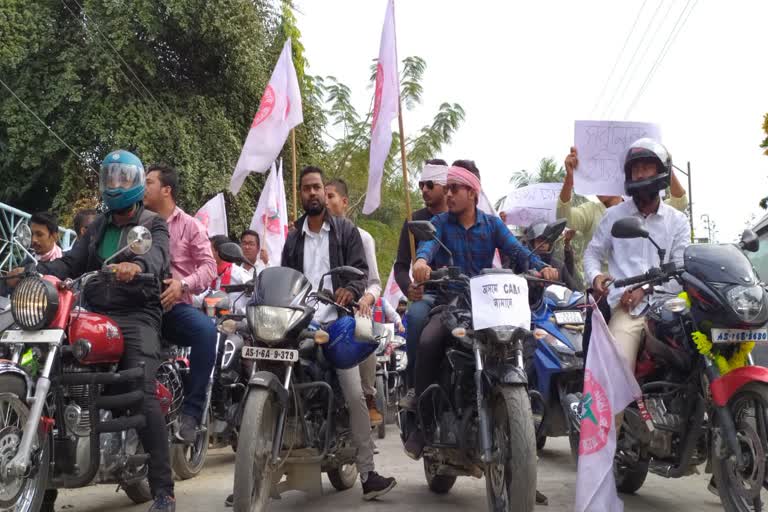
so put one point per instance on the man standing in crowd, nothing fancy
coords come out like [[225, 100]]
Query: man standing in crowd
[[192, 268], [432, 184], [251, 245], [45, 236], [321, 242], [337, 202]]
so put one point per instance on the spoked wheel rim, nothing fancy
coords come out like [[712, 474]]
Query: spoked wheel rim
[[747, 483], [16, 493], [497, 473]]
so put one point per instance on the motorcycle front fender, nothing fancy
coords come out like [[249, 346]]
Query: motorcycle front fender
[[723, 388], [269, 381], [8, 367], [506, 374]]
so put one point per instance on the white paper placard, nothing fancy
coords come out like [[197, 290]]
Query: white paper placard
[[499, 300], [531, 204], [602, 146]]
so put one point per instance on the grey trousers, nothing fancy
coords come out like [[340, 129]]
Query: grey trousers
[[358, 417], [368, 375]]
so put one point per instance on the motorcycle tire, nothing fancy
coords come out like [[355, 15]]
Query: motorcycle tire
[[541, 442], [343, 478], [735, 496], [511, 485], [254, 471], [438, 484], [14, 386], [187, 461], [381, 405]]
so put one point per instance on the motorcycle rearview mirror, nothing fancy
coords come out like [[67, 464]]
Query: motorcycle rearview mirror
[[629, 227], [423, 231], [553, 230], [231, 253], [749, 241], [347, 272], [138, 241], [22, 235]]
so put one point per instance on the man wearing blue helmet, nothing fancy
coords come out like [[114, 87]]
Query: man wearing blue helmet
[[135, 306]]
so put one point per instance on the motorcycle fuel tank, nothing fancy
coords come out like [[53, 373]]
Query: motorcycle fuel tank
[[101, 333]]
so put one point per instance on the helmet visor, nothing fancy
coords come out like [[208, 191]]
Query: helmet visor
[[116, 176]]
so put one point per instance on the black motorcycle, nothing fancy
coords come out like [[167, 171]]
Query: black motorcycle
[[295, 421], [477, 419], [702, 400]]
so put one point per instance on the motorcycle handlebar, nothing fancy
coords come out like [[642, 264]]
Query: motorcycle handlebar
[[235, 288]]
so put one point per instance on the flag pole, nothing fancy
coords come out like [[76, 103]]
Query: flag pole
[[293, 161]]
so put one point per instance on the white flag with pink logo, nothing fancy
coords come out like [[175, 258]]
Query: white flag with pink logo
[[385, 105], [279, 111], [392, 292], [213, 215], [270, 220], [609, 386]]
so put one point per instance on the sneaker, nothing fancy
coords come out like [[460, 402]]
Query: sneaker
[[408, 402], [230, 501], [187, 432], [376, 417], [414, 446], [163, 503], [376, 485]]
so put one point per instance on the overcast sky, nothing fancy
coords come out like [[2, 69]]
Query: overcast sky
[[524, 71]]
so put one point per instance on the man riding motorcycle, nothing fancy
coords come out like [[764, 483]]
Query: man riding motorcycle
[[647, 170], [135, 307], [472, 236], [543, 248]]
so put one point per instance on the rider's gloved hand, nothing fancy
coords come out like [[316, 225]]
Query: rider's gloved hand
[[126, 271]]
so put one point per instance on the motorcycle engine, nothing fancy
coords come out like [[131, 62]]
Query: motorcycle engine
[[668, 413], [77, 398]]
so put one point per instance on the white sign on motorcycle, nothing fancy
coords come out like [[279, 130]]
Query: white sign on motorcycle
[[500, 300], [602, 146]]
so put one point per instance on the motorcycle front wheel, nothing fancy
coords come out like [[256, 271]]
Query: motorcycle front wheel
[[20, 494], [254, 470], [743, 489], [188, 460], [511, 482]]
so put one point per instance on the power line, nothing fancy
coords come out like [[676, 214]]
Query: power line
[[645, 50], [78, 155], [618, 57], [632, 60], [86, 21], [663, 53]]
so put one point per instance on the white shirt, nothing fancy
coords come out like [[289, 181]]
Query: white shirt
[[248, 273], [374, 281], [316, 263], [237, 300], [631, 257]]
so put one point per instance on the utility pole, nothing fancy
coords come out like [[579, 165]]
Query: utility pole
[[709, 224], [690, 194]]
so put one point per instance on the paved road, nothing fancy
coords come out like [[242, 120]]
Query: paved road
[[557, 479]]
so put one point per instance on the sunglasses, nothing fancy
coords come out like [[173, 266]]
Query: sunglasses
[[429, 184], [453, 188]]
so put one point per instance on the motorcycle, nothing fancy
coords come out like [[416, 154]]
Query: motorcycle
[[63, 426], [477, 418], [557, 323], [295, 421], [389, 381], [702, 400]]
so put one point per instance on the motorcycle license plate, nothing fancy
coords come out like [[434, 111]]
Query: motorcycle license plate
[[271, 354], [382, 359], [41, 336], [739, 335], [568, 317]]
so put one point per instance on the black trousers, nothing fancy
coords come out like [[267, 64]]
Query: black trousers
[[142, 344], [430, 353]]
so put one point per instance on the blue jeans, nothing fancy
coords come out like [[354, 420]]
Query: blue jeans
[[189, 327], [417, 318]]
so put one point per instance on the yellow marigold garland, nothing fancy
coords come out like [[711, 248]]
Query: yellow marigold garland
[[737, 360]]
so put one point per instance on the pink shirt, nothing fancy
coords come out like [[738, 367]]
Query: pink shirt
[[191, 256]]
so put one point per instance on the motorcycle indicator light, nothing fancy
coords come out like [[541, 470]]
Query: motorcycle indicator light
[[321, 337], [459, 332], [81, 349], [539, 334]]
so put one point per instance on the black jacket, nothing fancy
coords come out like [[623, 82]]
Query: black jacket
[[344, 245], [118, 298], [403, 259]]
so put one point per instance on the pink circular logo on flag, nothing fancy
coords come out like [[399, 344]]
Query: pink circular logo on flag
[[265, 106], [377, 97], [203, 218], [596, 416]]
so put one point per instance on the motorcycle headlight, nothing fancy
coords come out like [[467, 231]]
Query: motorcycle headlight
[[746, 301], [503, 334], [270, 324], [34, 303]]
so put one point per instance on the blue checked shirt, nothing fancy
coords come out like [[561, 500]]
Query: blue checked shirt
[[473, 249]]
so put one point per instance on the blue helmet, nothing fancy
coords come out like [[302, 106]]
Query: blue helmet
[[343, 351], [121, 180]]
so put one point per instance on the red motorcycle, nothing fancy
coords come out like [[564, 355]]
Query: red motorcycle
[[69, 417]]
